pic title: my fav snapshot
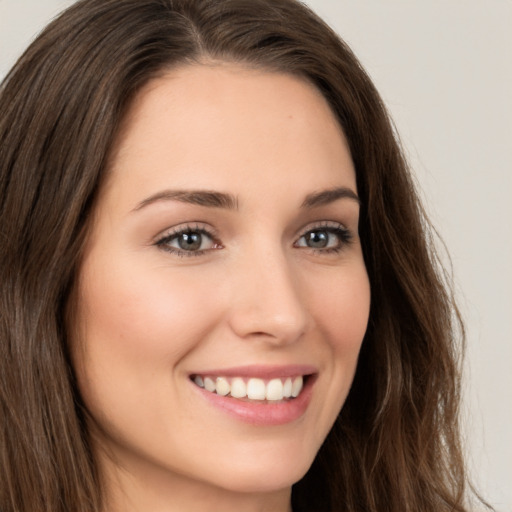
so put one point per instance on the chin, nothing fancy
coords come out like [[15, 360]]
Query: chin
[[258, 476]]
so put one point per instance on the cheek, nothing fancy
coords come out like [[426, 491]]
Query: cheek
[[144, 315], [135, 329], [341, 311], [342, 317]]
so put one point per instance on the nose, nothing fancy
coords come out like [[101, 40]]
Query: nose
[[266, 301]]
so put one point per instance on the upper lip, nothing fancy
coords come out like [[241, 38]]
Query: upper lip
[[260, 371]]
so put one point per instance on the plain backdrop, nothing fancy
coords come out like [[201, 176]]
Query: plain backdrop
[[444, 69]]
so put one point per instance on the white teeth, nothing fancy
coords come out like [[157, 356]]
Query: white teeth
[[255, 389], [287, 388], [222, 387], [238, 388], [274, 390], [209, 385], [297, 386]]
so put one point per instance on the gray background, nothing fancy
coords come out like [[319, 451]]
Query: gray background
[[444, 69]]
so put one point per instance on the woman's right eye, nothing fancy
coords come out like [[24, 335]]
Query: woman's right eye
[[187, 242]]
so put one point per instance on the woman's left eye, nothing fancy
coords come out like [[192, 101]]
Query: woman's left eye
[[187, 242], [327, 239]]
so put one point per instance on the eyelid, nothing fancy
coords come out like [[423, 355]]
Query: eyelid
[[323, 224], [345, 235], [175, 231]]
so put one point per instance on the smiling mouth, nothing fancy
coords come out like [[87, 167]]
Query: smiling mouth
[[252, 389]]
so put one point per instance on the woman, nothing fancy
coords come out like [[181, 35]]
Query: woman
[[218, 291]]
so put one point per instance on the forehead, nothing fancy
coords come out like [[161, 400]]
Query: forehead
[[227, 124]]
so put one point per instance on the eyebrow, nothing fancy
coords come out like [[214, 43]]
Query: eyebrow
[[214, 199], [207, 198], [328, 196]]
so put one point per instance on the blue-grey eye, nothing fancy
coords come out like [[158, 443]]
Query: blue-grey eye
[[187, 241], [318, 239], [324, 238], [190, 241]]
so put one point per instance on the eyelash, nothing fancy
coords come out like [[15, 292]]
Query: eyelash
[[163, 242], [344, 236]]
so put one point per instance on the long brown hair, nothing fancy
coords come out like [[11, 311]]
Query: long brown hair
[[395, 445]]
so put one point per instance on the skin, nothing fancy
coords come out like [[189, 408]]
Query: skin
[[256, 293]]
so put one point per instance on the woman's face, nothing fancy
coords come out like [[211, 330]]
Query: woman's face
[[224, 260]]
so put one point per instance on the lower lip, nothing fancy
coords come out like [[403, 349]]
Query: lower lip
[[263, 413]]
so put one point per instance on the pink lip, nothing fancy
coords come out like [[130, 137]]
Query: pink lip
[[262, 413], [262, 372]]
